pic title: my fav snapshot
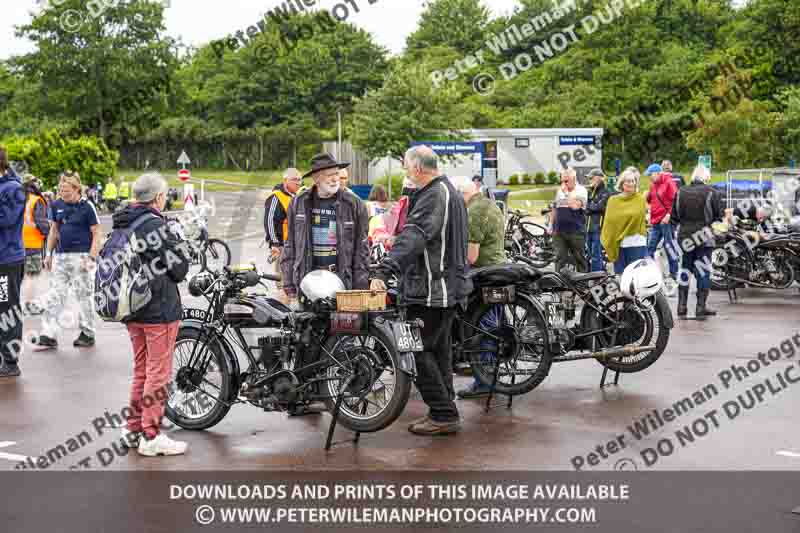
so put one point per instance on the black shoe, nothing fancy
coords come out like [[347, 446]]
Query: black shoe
[[46, 342], [683, 300], [83, 341], [9, 370], [702, 309], [473, 391]]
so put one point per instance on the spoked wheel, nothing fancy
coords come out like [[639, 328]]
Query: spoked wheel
[[194, 392], [217, 255], [513, 335], [642, 326], [537, 245], [377, 391]]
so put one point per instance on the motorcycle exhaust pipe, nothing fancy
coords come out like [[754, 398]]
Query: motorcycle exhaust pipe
[[621, 351], [752, 283]]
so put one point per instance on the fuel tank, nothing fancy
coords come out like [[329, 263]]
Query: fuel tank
[[255, 311]]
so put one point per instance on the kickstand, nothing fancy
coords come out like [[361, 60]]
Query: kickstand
[[603, 378], [732, 296], [335, 414], [605, 368], [493, 386], [493, 389]]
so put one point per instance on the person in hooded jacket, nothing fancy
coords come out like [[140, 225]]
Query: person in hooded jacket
[[12, 262], [154, 329]]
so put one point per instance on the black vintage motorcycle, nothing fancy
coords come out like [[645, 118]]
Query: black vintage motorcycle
[[743, 255], [520, 320], [524, 238], [350, 361]]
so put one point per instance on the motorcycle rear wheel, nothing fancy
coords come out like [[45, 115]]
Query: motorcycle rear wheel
[[375, 362], [646, 324]]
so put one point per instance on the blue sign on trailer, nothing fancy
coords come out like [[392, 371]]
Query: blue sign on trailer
[[576, 140], [453, 148]]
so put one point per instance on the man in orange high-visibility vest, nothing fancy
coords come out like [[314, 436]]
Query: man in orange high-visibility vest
[[276, 223], [34, 233]]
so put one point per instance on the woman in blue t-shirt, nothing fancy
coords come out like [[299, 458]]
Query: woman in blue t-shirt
[[72, 247]]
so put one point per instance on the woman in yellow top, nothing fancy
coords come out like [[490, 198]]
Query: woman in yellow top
[[624, 234]]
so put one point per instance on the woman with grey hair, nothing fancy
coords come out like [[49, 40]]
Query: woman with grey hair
[[624, 233], [154, 328]]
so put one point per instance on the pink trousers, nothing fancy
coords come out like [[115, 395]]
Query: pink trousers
[[153, 345]]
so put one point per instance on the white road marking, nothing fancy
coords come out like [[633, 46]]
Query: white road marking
[[11, 456], [788, 454]]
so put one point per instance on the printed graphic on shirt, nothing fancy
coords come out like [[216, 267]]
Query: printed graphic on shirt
[[323, 236], [4, 289]]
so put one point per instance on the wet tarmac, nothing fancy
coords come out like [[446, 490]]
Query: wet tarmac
[[64, 396]]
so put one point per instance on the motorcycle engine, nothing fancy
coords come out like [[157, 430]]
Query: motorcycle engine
[[560, 310], [275, 350]]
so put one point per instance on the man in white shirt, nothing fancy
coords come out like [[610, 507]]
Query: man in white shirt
[[569, 222]]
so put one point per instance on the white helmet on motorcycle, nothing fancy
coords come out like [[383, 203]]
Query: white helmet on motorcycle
[[320, 284], [641, 279]]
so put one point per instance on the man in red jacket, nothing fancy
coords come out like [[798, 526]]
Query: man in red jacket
[[662, 193]]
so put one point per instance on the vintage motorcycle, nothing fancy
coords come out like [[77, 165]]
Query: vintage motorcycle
[[350, 361], [521, 320], [528, 239], [743, 255]]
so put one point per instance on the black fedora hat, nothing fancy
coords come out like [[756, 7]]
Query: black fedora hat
[[324, 162]]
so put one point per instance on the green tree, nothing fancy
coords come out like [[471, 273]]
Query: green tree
[[742, 137], [267, 82], [406, 108], [790, 123], [765, 35], [458, 24], [113, 70], [48, 153]]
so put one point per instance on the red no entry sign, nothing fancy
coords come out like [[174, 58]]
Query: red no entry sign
[[184, 175]]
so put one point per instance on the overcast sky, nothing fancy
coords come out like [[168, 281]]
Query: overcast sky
[[200, 21]]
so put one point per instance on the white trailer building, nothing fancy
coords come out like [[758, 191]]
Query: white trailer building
[[497, 154]]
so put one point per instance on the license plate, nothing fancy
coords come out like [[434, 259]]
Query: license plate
[[408, 337], [194, 314], [498, 295]]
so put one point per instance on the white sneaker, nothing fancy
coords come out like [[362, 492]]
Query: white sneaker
[[130, 439], [161, 445]]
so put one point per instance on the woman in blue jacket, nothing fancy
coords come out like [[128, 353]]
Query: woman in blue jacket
[[12, 264]]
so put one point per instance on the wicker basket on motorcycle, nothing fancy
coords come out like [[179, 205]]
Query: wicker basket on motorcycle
[[359, 301]]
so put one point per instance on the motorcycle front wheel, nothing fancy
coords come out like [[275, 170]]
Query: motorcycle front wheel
[[378, 390], [515, 335], [194, 394]]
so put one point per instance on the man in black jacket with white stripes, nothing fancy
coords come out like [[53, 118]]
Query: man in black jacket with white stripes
[[430, 259]]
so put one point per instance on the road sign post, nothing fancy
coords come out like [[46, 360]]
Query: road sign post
[[188, 197], [183, 173]]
